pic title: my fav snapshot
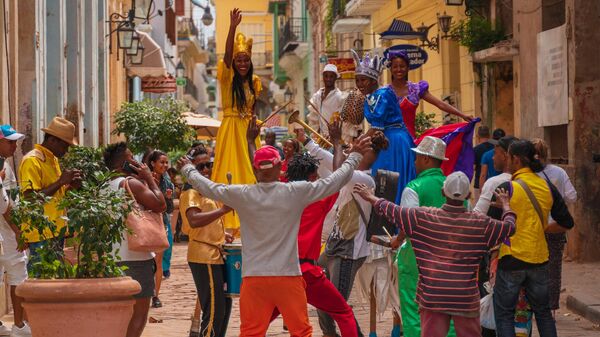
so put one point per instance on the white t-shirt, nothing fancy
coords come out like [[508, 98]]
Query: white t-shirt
[[332, 103], [360, 246], [124, 252], [561, 180], [487, 192]]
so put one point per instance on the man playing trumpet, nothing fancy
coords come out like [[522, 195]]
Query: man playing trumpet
[[326, 101]]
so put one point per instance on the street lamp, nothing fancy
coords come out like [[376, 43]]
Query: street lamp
[[444, 22], [207, 18], [139, 57], [179, 70], [135, 45], [125, 35], [454, 2]]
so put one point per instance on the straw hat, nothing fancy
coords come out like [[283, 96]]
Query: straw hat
[[62, 129], [432, 147]]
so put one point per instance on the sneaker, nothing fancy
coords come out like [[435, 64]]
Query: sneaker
[[166, 274], [4, 330], [156, 303], [25, 331]]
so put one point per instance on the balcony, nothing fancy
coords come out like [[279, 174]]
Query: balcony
[[346, 24], [293, 37], [364, 7]]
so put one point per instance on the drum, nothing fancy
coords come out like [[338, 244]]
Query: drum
[[233, 268]]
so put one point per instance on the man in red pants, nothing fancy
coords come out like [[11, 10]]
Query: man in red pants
[[320, 292]]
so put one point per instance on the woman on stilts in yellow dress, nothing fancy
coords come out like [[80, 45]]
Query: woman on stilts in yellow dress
[[239, 89]]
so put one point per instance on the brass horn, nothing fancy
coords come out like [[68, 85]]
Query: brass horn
[[294, 119]]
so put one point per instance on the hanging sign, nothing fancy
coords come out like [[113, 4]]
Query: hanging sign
[[345, 66], [416, 54]]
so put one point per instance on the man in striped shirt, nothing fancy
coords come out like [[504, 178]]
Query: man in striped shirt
[[449, 243]]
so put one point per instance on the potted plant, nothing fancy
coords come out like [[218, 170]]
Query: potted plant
[[86, 295]]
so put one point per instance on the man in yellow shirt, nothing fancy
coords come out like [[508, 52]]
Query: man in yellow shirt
[[40, 171], [202, 221]]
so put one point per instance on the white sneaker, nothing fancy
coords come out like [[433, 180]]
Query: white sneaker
[[4, 330], [25, 331]]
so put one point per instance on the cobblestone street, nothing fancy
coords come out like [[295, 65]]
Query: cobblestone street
[[178, 296]]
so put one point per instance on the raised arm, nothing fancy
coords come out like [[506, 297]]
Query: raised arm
[[335, 133], [445, 106], [206, 187], [324, 187], [235, 17]]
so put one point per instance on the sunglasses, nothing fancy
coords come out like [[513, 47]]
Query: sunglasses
[[201, 166]]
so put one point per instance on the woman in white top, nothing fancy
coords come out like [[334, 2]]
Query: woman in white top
[[556, 242], [141, 267]]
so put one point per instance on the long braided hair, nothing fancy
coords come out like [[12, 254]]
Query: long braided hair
[[238, 94]]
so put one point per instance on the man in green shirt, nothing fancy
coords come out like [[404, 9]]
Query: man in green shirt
[[424, 190]]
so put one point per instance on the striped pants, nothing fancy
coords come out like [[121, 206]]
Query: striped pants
[[209, 280]]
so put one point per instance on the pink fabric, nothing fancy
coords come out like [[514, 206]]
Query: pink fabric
[[437, 324]]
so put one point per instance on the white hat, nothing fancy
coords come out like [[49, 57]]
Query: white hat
[[332, 68], [457, 186], [432, 147]]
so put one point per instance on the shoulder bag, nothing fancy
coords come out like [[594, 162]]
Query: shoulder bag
[[147, 230]]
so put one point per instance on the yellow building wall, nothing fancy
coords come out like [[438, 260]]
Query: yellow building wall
[[449, 70], [117, 72], [254, 11]]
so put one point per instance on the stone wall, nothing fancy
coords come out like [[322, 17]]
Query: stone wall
[[583, 20]]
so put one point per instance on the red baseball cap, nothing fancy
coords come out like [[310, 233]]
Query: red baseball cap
[[266, 153]]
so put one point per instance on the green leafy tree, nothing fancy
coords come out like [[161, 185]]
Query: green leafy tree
[[423, 122], [476, 33], [154, 124], [97, 215], [86, 159]]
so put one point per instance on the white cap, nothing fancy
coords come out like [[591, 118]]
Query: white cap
[[457, 186], [332, 68]]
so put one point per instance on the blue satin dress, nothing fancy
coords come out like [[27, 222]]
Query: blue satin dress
[[383, 112]]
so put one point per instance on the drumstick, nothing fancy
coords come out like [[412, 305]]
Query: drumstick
[[386, 232], [274, 113], [316, 110], [229, 177]]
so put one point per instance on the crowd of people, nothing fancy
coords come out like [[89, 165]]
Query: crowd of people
[[304, 215]]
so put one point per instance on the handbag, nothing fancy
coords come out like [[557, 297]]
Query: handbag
[[386, 186], [146, 228]]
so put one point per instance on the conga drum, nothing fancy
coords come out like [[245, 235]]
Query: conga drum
[[233, 268]]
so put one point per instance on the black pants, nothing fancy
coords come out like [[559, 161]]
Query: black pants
[[209, 280]]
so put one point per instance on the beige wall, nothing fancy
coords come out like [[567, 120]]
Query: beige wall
[[117, 73], [253, 12]]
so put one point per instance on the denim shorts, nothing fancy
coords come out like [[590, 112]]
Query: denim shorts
[[143, 272]]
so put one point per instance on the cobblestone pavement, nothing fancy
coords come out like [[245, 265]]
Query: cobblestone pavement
[[178, 296]]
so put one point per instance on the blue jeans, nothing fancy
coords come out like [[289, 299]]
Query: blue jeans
[[506, 295]]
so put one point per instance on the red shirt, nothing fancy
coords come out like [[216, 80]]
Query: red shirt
[[282, 177], [311, 226]]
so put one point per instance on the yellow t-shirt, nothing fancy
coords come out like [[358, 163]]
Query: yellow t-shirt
[[225, 77], [40, 169], [205, 242]]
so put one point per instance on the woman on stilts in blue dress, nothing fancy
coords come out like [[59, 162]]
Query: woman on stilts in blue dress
[[383, 113]]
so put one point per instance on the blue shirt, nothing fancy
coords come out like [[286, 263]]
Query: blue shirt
[[488, 159]]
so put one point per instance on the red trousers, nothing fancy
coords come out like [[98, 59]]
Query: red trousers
[[322, 294]]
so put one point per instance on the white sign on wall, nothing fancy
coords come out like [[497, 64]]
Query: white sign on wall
[[553, 79]]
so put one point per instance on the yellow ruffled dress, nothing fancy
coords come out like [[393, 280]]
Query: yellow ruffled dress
[[231, 151]]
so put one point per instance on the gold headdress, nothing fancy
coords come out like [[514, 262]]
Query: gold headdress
[[242, 45]]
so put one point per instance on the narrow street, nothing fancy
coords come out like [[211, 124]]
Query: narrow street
[[178, 296]]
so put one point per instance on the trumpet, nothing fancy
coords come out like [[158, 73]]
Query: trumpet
[[294, 119]]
